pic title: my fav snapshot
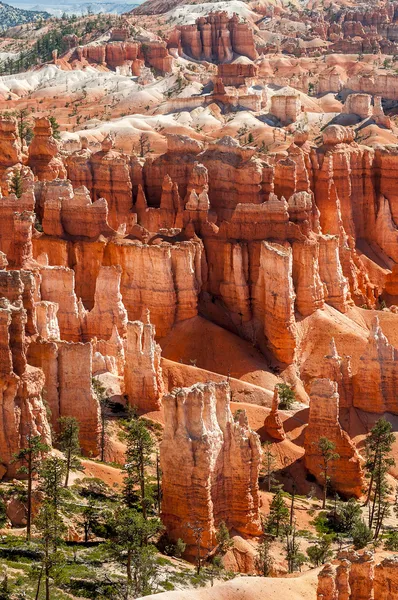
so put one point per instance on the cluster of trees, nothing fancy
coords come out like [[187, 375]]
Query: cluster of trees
[[55, 39], [345, 521], [129, 531]]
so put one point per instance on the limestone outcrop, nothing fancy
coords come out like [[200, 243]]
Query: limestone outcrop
[[43, 158], [76, 397], [273, 423], [327, 583], [111, 180], [214, 38], [210, 466], [345, 471], [22, 384], [143, 381], [11, 151], [357, 577], [108, 311], [376, 374]]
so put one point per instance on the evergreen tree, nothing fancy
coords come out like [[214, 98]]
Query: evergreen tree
[[130, 537], [51, 478], [321, 551], [345, 516], [90, 517], [51, 528], [287, 396], [68, 440], [55, 127], [361, 535], [269, 464], [103, 401], [278, 514], [140, 448], [25, 130], [16, 183], [326, 450], [264, 560], [30, 457], [378, 446], [224, 542], [294, 556], [197, 532]]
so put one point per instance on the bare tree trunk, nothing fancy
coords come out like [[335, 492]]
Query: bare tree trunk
[[29, 515]]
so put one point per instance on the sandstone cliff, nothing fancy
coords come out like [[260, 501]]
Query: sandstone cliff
[[346, 472], [210, 466]]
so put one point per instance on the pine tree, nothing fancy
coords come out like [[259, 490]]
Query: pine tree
[[24, 127], [264, 560], [68, 440], [16, 183], [140, 447], [51, 478], [129, 543], [287, 396], [103, 401], [321, 551], [90, 517], [326, 449], [30, 457], [294, 557], [55, 127], [50, 526], [378, 445], [269, 464], [223, 538], [278, 513]]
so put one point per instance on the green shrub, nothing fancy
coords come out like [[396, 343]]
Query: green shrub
[[361, 535]]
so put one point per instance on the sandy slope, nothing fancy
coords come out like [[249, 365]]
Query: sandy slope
[[252, 588], [188, 13]]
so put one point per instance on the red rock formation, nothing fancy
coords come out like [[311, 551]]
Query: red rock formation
[[237, 74], [157, 56], [210, 466], [214, 38], [358, 578], [342, 580], [285, 107], [108, 310], [169, 289], [143, 373], [376, 375], [327, 583], [338, 369], [82, 218], [78, 166], [43, 156], [22, 385], [273, 423], [346, 472], [386, 579], [274, 299], [362, 576], [58, 286], [306, 277], [111, 180], [44, 355], [10, 146], [76, 398]]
